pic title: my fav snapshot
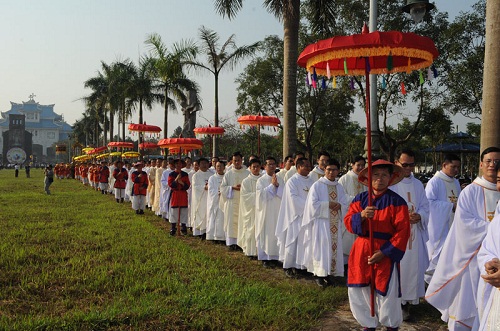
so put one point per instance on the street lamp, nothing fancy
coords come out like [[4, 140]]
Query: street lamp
[[417, 9]]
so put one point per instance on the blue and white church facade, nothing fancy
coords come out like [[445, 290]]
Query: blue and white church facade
[[46, 127]]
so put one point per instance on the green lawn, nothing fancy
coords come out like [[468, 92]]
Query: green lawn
[[77, 260]]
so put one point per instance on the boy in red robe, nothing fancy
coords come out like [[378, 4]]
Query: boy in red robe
[[391, 230], [178, 181]]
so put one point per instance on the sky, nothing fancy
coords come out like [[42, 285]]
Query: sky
[[49, 48]]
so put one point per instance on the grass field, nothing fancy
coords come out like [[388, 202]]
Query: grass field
[[77, 260]]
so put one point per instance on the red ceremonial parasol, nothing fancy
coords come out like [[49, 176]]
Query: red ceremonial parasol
[[120, 144], [365, 54], [209, 131], [97, 150], [148, 145], [259, 121], [144, 128]]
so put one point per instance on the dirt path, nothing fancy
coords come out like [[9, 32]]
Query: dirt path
[[342, 320]]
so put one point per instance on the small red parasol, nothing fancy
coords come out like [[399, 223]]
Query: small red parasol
[[120, 144], [209, 130], [258, 120], [365, 54], [143, 128], [181, 144], [148, 145], [97, 150]]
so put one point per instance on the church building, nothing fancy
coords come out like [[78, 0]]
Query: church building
[[45, 127]]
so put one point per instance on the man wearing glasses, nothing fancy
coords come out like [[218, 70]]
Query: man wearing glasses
[[453, 287], [415, 261]]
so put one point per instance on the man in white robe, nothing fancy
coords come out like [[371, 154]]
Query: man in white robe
[[293, 170], [442, 191], [352, 187], [215, 222], [195, 166], [415, 261], [246, 222], [230, 199], [152, 182], [199, 194], [162, 166], [453, 286], [325, 208], [288, 230], [165, 191], [488, 293], [287, 164], [319, 170], [267, 206]]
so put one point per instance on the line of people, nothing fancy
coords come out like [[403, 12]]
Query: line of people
[[308, 221]]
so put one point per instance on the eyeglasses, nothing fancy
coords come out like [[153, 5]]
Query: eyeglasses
[[494, 162], [407, 165]]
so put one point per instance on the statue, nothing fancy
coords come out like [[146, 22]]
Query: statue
[[189, 109]]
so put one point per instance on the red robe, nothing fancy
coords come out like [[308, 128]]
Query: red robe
[[121, 177], [103, 174], [391, 228], [140, 183], [178, 192]]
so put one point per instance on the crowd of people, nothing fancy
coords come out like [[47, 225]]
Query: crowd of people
[[427, 241]]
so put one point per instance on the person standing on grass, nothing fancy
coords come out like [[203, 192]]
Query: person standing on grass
[[352, 187], [152, 182], [16, 169], [416, 259], [165, 190], [442, 191], [246, 222], [199, 194], [326, 206], [289, 226], [49, 178], [27, 169], [391, 231], [178, 181], [453, 286], [120, 174], [215, 221], [139, 188], [230, 199], [103, 177], [162, 165], [267, 207]]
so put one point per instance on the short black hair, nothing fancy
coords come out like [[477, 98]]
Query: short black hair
[[203, 159], [320, 154], [489, 150], [406, 151], [238, 154], [270, 158], [297, 153], [300, 162], [224, 163], [450, 157], [358, 158], [252, 161], [333, 162]]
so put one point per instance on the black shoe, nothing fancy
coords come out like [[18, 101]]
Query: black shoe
[[172, 232], [321, 282], [184, 232], [203, 236], [137, 211], [141, 211], [406, 313], [267, 264], [290, 272]]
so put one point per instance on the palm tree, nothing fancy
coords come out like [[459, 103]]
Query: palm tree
[[219, 57], [169, 72], [96, 101], [287, 11]]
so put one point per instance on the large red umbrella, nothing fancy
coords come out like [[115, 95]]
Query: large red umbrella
[[148, 145], [209, 131], [365, 54], [120, 144], [258, 121], [144, 128], [97, 150]]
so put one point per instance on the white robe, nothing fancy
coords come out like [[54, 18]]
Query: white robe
[[441, 191], [288, 229], [352, 187], [215, 222], [267, 208], [165, 194], [156, 204], [151, 185], [415, 261], [130, 185], [488, 297], [318, 250], [246, 222], [230, 202], [199, 202], [190, 222], [292, 171], [453, 287], [282, 173], [316, 173]]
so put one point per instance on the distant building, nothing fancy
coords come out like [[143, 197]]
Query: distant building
[[45, 127]]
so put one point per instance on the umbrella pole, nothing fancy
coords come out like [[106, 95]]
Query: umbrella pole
[[258, 142], [179, 209], [370, 202]]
